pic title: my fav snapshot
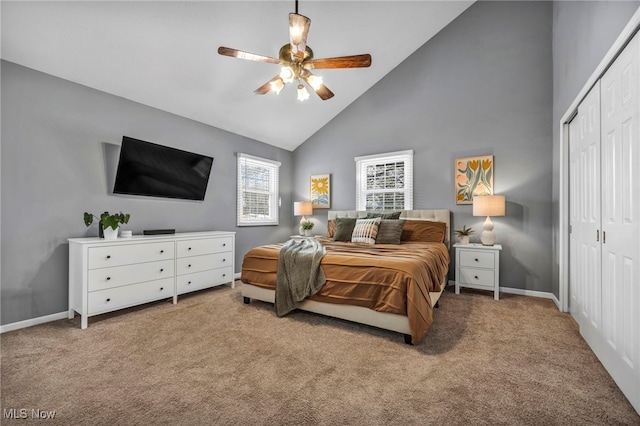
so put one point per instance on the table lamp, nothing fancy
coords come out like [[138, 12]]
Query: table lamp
[[488, 205], [302, 208]]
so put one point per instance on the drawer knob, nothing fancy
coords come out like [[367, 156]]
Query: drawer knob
[[108, 278], [108, 300], [476, 277], [189, 249], [224, 275], [477, 259], [224, 260], [108, 256], [188, 266], [161, 288], [189, 283], [224, 244], [161, 270], [161, 251]]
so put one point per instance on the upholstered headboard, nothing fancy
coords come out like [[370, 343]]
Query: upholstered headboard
[[437, 215]]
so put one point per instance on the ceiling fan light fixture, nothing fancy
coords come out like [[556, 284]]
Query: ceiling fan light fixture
[[298, 31], [303, 95], [287, 74], [315, 81], [277, 85]]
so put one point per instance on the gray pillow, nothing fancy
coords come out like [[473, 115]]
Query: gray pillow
[[385, 215], [390, 231], [344, 228]]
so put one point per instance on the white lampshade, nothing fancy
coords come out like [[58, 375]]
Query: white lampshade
[[302, 208], [488, 205]]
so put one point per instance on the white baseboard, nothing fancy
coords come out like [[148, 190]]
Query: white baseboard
[[33, 321], [62, 315], [532, 293], [521, 292]]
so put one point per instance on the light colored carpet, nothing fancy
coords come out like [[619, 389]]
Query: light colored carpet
[[210, 359]]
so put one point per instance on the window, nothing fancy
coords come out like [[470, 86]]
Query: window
[[385, 181], [258, 191]]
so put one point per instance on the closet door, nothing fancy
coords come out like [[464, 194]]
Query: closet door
[[585, 274], [620, 88]]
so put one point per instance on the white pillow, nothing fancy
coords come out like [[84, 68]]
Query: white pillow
[[365, 231]]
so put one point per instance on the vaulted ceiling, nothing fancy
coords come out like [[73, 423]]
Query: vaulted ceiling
[[164, 54]]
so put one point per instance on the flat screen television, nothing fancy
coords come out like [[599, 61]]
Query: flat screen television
[[153, 170]]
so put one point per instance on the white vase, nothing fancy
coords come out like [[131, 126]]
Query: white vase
[[307, 233], [110, 233], [463, 239]]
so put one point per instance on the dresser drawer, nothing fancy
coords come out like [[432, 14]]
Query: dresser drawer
[[477, 259], [130, 295], [480, 277], [204, 246], [103, 278], [200, 280], [189, 265], [116, 255]]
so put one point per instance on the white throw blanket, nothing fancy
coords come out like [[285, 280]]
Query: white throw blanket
[[299, 273]]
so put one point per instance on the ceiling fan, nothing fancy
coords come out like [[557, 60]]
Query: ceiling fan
[[296, 59]]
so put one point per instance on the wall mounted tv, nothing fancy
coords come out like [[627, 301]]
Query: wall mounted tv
[[153, 170]]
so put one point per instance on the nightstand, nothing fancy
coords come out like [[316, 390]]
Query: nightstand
[[478, 267], [301, 236]]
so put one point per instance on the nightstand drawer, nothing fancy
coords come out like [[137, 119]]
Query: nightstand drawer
[[477, 277], [477, 259]]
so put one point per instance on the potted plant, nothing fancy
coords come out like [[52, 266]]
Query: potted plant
[[109, 223], [307, 227], [463, 234]]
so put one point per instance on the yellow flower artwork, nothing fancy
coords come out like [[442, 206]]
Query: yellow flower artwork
[[321, 191], [473, 176]]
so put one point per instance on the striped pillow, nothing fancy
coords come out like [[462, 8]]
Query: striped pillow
[[365, 231]]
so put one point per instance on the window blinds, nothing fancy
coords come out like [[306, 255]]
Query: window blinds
[[258, 191]]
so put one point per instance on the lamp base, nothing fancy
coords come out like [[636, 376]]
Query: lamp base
[[488, 238], [301, 229]]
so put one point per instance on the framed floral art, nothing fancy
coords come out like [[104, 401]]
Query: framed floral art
[[321, 191], [473, 176]]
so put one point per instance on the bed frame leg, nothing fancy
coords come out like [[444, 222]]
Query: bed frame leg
[[407, 339], [246, 300]]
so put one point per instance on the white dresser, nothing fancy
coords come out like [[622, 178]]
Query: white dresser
[[105, 276], [478, 267]]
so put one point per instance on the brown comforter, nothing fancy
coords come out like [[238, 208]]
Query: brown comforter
[[383, 277]]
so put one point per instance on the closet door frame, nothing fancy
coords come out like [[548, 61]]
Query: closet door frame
[[563, 199]]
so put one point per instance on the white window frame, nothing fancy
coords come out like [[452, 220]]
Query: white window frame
[[379, 159], [273, 169]]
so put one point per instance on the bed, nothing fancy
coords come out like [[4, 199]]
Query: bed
[[389, 286]]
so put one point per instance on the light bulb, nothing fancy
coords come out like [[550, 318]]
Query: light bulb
[[315, 82], [286, 74], [303, 95]]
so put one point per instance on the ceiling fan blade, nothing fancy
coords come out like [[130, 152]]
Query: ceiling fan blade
[[298, 32], [354, 61], [235, 53], [267, 87], [317, 85]]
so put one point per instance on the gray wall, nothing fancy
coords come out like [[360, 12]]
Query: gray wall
[[583, 32], [483, 85], [57, 162]]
